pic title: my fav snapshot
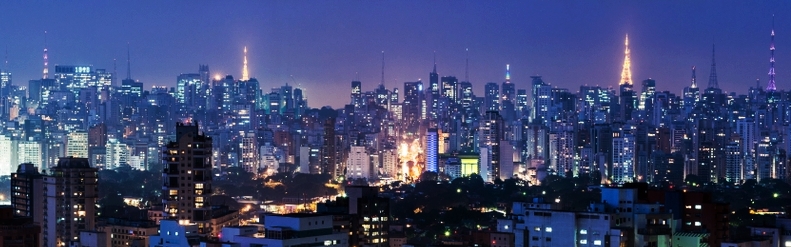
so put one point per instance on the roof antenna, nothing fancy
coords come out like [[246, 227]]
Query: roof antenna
[[128, 63], [467, 66]]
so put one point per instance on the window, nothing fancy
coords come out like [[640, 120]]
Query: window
[[697, 223], [596, 242], [538, 229], [698, 207], [548, 229], [583, 241], [583, 231]]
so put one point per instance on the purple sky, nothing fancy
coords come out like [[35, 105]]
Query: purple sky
[[324, 43]]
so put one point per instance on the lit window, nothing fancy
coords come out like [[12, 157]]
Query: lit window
[[583, 241], [596, 242], [583, 231], [548, 229], [697, 223], [698, 207], [538, 229]]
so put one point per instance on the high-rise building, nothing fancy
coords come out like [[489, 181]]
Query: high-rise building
[[358, 164], [623, 157], [187, 178], [72, 194], [491, 134], [450, 88], [7, 154], [413, 97], [542, 100], [357, 97], [249, 152], [492, 96], [434, 91], [432, 150], [77, 144], [27, 192], [329, 158]]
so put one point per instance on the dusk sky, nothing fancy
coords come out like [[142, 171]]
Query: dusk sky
[[324, 43]]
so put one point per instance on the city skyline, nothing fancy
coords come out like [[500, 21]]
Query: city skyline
[[570, 44]]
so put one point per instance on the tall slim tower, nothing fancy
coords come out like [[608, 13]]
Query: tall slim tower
[[713, 76], [46, 60], [128, 63], [626, 73], [694, 80], [245, 74], [187, 178], [771, 87]]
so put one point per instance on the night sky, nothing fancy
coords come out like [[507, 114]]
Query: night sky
[[324, 43]]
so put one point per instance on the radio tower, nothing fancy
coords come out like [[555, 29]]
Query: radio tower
[[383, 67], [46, 60], [694, 79], [626, 73], [713, 75], [771, 87], [245, 75]]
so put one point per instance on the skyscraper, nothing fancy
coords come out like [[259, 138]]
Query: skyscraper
[[492, 96], [27, 192], [72, 194], [357, 98], [187, 178], [432, 150]]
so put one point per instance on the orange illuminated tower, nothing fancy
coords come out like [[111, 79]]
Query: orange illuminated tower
[[245, 74], [626, 73]]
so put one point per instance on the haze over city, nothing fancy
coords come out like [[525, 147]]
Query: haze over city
[[328, 42]]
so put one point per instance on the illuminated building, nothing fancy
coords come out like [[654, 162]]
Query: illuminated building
[[691, 94], [356, 97], [432, 152], [434, 91], [561, 150], [623, 157], [492, 96], [72, 195], [411, 107], [77, 144], [287, 230], [249, 152], [370, 221], [187, 179], [74, 78], [30, 152], [359, 164], [7, 154], [469, 164], [27, 193], [491, 132], [116, 154], [542, 100], [123, 232]]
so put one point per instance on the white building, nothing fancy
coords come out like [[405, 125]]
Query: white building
[[29, 152], [390, 162], [623, 145], [77, 144], [171, 234], [269, 162], [116, 154], [358, 164], [287, 230], [537, 224], [250, 152], [8, 155]]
